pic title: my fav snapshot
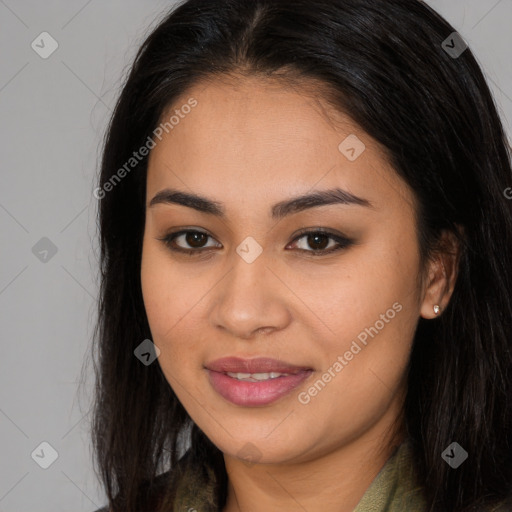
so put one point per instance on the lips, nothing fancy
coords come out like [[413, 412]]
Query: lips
[[255, 382]]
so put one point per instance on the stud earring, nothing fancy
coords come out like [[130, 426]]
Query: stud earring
[[437, 309]]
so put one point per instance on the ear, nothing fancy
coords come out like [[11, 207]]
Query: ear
[[441, 275]]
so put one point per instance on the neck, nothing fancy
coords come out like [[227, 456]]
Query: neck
[[333, 481]]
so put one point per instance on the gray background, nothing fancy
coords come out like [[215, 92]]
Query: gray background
[[53, 114]]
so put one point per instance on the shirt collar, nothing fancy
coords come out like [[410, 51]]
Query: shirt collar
[[394, 489]]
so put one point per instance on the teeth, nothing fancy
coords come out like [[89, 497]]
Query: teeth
[[256, 377]]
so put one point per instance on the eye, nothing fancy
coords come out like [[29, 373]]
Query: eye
[[319, 241], [195, 239]]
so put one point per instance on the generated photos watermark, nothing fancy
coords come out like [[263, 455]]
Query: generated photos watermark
[[138, 156], [304, 397]]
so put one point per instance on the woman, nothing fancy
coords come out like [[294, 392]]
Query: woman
[[305, 299]]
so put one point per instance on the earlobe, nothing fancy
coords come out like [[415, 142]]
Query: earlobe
[[442, 275]]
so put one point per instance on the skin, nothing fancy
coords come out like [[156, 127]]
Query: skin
[[249, 144]]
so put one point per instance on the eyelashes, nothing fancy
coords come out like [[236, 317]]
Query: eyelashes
[[169, 241], [313, 237]]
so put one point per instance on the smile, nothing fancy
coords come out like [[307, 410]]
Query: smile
[[256, 377]]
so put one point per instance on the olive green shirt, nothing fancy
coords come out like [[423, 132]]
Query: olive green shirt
[[394, 489]]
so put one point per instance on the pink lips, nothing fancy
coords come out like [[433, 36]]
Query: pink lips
[[248, 393]]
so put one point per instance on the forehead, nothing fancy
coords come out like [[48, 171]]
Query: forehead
[[259, 117], [255, 135]]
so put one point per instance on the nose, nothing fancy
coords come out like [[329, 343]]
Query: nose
[[250, 300]]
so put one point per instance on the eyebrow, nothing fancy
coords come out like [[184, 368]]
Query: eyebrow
[[278, 211]]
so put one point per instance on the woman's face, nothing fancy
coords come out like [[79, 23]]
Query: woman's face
[[337, 315]]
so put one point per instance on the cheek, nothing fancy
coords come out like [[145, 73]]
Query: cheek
[[173, 300], [367, 281], [371, 306], [155, 281], [167, 294]]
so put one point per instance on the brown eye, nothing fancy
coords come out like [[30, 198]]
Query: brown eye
[[188, 241], [317, 241], [320, 243], [195, 238]]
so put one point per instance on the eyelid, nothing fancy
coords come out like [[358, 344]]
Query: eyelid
[[342, 241], [170, 237]]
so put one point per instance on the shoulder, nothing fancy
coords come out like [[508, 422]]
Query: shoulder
[[397, 488]]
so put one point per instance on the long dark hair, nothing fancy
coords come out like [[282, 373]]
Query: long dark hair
[[384, 65]]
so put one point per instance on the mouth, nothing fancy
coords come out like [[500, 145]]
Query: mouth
[[256, 366], [254, 382], [257, 377]]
